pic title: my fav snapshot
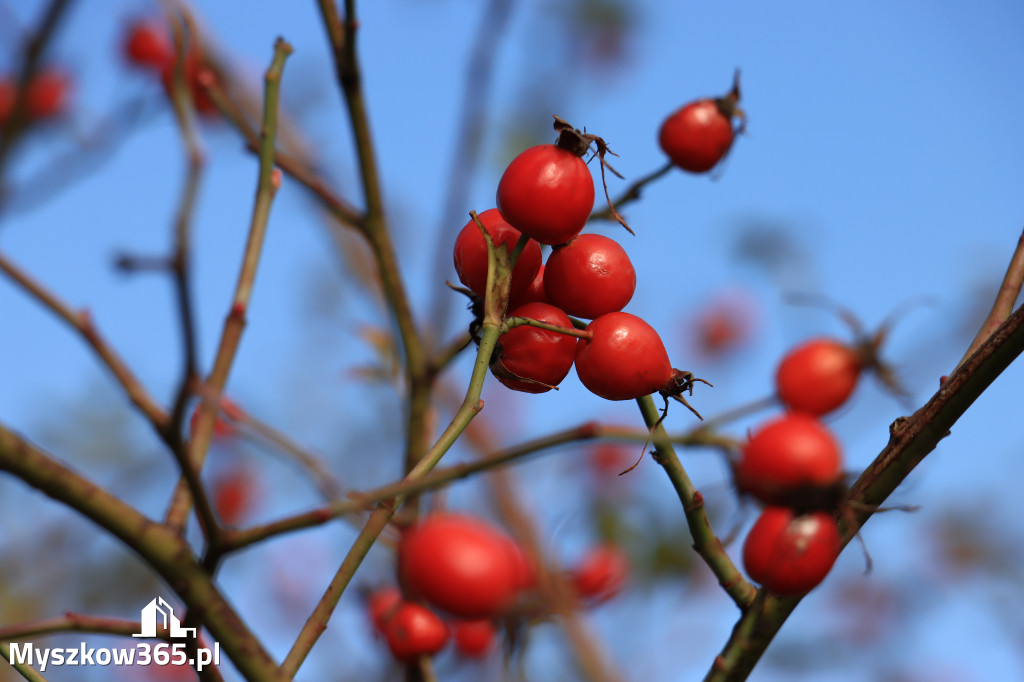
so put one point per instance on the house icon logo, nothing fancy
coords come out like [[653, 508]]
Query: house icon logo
[[159, 610]]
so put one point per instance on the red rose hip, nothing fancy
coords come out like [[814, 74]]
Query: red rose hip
[[818, 376], [547, 192], [589, 276], [788, 458], [535, 360], [790, 554], [698, 136], [459, 564], [624, 359], [470, 254]]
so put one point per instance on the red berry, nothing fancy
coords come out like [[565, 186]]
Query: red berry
[[792, 455], [533, 293], [194, 72], [459, 564], [698, 136], [602, 573], [624, 359], [818, 376], [470, 254], [233, 496], [148, 45], [415, 631], [47, 94], [547, 193], [473, 638], [534, 360], [589, 276], [382, 606], [790, 554]]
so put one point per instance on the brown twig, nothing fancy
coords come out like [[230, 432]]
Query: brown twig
[[268, 183], [1002, 307], [631, 193], [365, 500], [161, 547]]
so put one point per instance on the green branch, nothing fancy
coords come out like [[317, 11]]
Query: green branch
[[268, 183], [705, 542]]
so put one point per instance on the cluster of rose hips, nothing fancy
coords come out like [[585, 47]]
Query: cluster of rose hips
[[794, 466], [148, 46], [546, 196], [476, 575], [45, 95]]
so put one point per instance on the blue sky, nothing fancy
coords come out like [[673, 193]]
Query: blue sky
[[883, 140]]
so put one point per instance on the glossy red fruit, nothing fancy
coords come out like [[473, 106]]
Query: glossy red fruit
[[547, 193], [470, 255], [414, 631], [602, 573], [473, 638], [195, 71], [148, 45], [791, 455], [47, 94], [589, 276], [535, 360], [459, 564], [790, 554], [533, 293], [624, 359], [818, 376], [698, 136]]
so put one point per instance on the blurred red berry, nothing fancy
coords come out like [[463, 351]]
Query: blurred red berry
[[818, 376], [382, 605], [602, 573], [473, 638], [233, 496], [47, 94], [415, 631], [148, 45]]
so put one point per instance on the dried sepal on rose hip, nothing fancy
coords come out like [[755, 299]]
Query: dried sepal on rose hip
[[698, 136]]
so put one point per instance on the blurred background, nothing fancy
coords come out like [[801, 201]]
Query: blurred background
[[881, 168]]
